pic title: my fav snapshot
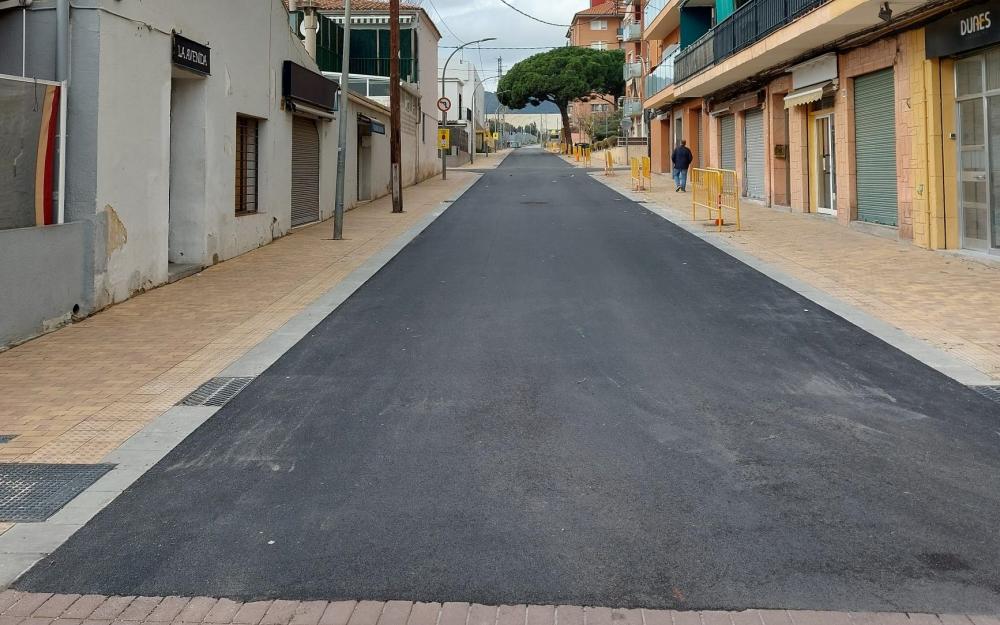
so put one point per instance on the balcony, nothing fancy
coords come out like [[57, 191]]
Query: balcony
[[660, 17], [620, 35], [661, 77], [631, 107], [632, 31], [631, 70], [750, 23], [408, 68]]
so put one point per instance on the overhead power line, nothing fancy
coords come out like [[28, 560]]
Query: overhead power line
[[511, 47], [448, 28], [533, 17]]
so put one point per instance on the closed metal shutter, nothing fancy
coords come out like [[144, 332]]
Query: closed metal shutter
[[875, 147], [753, 154], [727, 142], [698, 159], [305, 171]]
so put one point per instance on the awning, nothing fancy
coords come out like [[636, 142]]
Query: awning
[[805, 95]]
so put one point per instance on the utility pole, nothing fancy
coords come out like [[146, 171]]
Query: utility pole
[[394, 108], [345, 72]]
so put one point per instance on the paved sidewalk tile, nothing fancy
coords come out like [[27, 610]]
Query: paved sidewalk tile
[[941, 297]]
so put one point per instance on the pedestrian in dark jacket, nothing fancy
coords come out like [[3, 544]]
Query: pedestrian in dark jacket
[[681, 159]]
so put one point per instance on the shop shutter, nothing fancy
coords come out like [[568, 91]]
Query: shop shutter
[[753, 154], [727, 142], [305, 171], [875, 147]]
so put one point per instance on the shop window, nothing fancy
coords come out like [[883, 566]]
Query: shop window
[[246, 164], [968, 77]]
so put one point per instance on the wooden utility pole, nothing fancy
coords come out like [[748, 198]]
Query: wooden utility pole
[[395, 104]]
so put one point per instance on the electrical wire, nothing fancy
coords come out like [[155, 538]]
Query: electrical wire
[[533, 17], [448, 28]]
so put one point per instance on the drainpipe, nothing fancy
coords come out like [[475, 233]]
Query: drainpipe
[[293, 6], [310, 24], [62, 40]]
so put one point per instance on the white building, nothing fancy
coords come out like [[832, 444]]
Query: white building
[[195, 131], [463, 87]]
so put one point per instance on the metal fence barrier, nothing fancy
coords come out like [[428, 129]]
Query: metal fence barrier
[[716, 191]]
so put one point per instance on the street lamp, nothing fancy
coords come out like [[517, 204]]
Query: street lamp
[[444, 114]]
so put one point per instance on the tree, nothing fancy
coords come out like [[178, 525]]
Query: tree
[[560, 76]]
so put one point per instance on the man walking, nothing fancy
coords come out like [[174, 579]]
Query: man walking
[[681, 159]]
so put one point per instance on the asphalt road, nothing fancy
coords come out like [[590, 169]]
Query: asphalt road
[[555, 396]]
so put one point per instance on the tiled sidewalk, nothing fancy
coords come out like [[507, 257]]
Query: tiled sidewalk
[[18, 608], [946, 299], [77, 393]]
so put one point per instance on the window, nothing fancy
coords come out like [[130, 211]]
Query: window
[[600, 108], [599, 45], [246, 165], [598, 24]]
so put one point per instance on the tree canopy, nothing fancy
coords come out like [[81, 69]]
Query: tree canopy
[[562, 75]]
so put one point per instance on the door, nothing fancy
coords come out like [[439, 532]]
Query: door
[[824, 158], [305, 171], [875, 147], [977, 89], [753, 154], [727, 142]]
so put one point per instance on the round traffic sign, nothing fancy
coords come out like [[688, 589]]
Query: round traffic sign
[[444, 105]]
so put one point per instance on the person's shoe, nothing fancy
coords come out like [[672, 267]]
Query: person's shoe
[[677, 189]]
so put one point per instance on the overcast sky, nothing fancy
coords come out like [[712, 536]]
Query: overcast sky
[[476, 19]]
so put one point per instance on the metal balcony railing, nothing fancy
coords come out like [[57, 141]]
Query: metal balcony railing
[[651, 10], [408, 68], [631, 107], [748, 24], [631, 70]]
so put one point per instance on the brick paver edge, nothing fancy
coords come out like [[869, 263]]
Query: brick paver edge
[[25, 544]]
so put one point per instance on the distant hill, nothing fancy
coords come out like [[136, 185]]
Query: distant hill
[[544, 107]]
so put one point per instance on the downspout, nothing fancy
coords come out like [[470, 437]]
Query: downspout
[[62, 40]]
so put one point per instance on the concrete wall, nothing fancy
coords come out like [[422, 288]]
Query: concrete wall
[[42, 278]]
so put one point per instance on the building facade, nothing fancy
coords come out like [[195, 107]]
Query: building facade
[[599, 27], [878, 115], [195, 131], [466, 119]]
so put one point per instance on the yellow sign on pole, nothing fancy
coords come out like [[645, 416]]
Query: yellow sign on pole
[[444, 138]]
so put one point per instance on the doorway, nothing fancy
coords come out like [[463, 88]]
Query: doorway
[[823, 163], [977, 91], [186, 218]]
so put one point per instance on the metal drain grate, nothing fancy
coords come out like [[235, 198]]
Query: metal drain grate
[[6, 438], [989, 392], [34, 492], [215, 392]]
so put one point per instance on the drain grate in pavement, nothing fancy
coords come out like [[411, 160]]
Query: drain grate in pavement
[[6, 438], [34, 492], [989, 392], [215, 392]]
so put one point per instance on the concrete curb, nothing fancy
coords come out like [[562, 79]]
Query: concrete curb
[[926, 353], [25, 544]]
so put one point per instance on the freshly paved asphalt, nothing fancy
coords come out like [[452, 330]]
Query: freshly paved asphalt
[[554, 396]]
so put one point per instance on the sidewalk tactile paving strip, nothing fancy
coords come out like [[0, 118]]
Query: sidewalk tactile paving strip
[[34, 492], [215, 392], [989, 392]]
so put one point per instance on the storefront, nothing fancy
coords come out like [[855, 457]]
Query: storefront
[[972, 37]]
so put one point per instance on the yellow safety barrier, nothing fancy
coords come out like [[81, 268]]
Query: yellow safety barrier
[[647, 171], [636, 167], [609, 164], [586, 155], [717, 191]]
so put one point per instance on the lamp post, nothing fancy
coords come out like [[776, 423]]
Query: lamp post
[[444, 114]]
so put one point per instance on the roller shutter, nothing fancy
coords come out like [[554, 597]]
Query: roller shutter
[[875, 147], [727, 142], [305, 171], [753, 154]]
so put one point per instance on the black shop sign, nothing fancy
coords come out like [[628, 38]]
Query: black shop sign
[[967, 29], [191, 55]]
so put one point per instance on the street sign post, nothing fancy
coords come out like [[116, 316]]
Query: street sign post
[[444, 104]]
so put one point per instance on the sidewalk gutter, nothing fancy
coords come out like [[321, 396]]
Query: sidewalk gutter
[[25, 544], [926, 353]]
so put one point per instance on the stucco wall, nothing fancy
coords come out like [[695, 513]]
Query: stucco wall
[[42, 278]]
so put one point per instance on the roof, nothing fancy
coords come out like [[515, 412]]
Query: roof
[[610, 9]]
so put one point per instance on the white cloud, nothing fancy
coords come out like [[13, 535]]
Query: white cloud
[[477, 19]]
